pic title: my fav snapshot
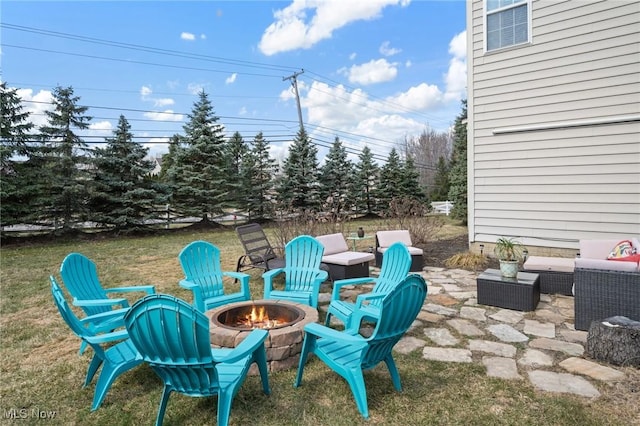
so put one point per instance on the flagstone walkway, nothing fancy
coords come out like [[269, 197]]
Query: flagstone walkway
[[512, 345]]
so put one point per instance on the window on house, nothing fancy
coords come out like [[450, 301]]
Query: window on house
[[506, 23]]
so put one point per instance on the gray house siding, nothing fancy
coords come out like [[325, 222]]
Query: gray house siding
[[554, 127]]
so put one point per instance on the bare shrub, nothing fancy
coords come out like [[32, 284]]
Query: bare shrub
[[409, 214], [293, 223], [467, 260]]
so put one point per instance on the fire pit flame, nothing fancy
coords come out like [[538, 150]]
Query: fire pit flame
[[259, 318]]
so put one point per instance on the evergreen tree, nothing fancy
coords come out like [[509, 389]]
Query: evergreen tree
[[410, 186], [125, 196], [391, 177], [168, 160], [200, 170], [298, 188], [440, 191], [259, 171], [335, 180], [458, 173], [15, 134], [67, 158], [365, 182], [236, 177]]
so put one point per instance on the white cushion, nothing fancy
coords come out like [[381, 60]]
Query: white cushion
[[387, 238], [607, 265], [597, 249], [333, 243], [413, 251], [541, 263], [348, 258]]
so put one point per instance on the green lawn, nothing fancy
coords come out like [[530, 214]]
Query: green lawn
[[41, 370]]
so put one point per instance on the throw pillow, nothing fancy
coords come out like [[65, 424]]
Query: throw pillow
[[624, 252]]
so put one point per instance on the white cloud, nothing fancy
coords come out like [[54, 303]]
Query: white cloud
[[195, 88], [41, 102], [101, 126], [387, 50], [456, 77], [167, 115], [145, 95], [243, 111], [374, 71], [353, 56], [422, 97], [292, 30], [458, 45], [187, 36], [408, 64], [231, 78], [145, 92], [203, 36]]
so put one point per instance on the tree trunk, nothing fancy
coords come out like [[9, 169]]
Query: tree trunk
[[615, 340]]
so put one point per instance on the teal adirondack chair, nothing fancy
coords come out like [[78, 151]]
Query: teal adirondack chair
[[302, 273], [115, 360], [349, 354], [80, 277], [200, 261], [173, 337], [396, 263]]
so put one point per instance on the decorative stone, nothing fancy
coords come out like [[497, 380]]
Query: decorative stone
[[591, 369], [568, 348], [506, 333], [441, 336], [447, 354], [539, 329], [495, 348], [563, 383], [465, 327], [535, 359], [503, 368]]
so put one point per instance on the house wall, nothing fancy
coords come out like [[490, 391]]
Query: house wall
[[554, 127]]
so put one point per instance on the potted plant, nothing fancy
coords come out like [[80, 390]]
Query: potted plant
[[509, 252]]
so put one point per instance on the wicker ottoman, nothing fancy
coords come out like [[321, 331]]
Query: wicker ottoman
[[556, 273], [521, 293]]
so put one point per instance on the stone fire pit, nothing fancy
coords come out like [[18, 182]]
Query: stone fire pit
[[284, 343]]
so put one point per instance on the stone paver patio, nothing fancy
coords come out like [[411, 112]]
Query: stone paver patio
[[541, 346]]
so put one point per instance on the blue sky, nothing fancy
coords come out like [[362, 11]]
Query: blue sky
[[375, 71]]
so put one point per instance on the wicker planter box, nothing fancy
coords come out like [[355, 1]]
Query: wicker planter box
[[521, 293], [600, 294]]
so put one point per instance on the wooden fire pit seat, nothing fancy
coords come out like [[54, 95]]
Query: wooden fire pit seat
[[341, 262]]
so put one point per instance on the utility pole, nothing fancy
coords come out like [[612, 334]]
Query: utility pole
[[294, 83]]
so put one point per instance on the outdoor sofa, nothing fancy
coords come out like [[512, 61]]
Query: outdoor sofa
[[341, 262], [602, 287], [384, 239]]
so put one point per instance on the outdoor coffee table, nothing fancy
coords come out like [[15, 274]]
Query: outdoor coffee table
[[521, 293]]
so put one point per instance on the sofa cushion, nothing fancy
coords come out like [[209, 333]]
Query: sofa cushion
[[348, 258], [333, 243], [413, 251], [596, 249], [557, 264], [606, 265], [387, 238]]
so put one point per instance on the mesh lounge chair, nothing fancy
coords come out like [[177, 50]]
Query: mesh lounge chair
[[258, 252]]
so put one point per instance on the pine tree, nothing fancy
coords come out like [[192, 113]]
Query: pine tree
[[336, 180], [259, 171], [365, 182], [15, 134], [298, 188], [168, 160], [410, 186], [390, 187], [125, 196], [67, 158], [440, 191], [236, 178], [458, 173], [200, 169]]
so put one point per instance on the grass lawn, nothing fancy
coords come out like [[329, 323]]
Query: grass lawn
[[42, 373]]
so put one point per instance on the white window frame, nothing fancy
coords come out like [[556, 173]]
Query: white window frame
[[486, 14]]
